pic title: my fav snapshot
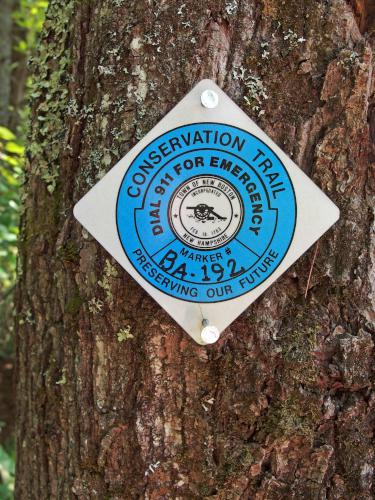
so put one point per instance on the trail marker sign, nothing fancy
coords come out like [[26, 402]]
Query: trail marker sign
[[206, 211]]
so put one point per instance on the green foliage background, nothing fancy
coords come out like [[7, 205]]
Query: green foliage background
[[11, 160], [28, 16]]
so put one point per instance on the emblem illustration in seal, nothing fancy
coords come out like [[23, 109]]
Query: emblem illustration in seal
[[206, 212]]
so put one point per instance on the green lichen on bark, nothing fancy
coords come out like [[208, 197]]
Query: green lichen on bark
[[74, 304], [105, 283], [293, 415], [298, 343], [124, 334], [49, 93], [69, 252]]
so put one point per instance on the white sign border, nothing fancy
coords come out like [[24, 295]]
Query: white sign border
[[96, 211]]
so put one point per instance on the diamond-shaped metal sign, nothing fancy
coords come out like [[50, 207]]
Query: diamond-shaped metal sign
[[206, 211]]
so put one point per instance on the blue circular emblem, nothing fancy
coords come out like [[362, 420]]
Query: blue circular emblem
[[206, 212]]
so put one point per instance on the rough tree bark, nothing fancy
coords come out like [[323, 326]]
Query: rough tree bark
[[283, 405]]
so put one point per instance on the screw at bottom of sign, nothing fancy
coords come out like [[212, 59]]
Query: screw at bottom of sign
[[209, 334]]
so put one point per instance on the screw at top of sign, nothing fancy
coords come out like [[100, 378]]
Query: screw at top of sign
[[209, 99], [209, 334]]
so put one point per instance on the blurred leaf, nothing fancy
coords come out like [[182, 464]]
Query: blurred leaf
[[29, 16], [6, 134], [13, 147], [7, 469], [11, 164]]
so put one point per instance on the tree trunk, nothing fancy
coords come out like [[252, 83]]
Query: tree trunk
[[19, 72], [283, 405], [10, 66], [13, 65], [6, 9]]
